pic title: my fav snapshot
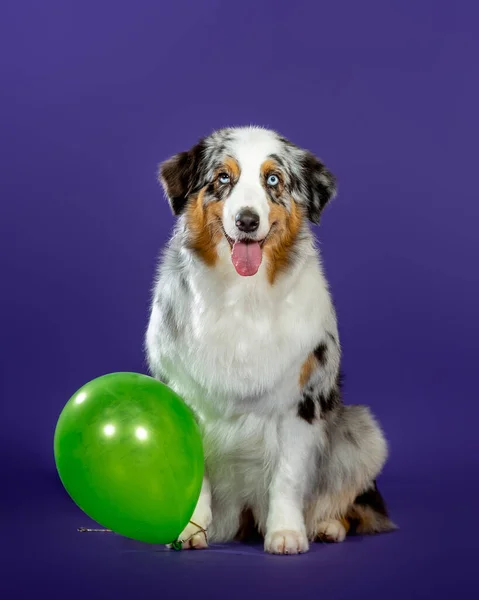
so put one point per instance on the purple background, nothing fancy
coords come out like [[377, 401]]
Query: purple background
[[93, 96]]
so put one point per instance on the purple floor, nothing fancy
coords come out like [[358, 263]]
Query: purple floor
[[93, 95], [433, 555]]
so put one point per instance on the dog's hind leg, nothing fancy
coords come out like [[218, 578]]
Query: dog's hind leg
[[348, 495]]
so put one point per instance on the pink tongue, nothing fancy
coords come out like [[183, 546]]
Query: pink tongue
[[246, 258]]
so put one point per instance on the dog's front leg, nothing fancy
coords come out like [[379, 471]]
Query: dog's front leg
[[195, 534], [285, 526]]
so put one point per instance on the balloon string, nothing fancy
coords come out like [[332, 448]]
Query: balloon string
[[176, 545]]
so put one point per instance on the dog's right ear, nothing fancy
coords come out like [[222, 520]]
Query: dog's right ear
[[182, 175]]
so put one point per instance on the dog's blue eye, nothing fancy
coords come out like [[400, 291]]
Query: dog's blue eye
[[224, 178], [272, 180]]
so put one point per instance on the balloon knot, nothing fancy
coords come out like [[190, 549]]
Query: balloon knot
[[178, 544]]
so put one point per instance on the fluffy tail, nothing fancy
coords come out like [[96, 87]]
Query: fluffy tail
[[368, 514]]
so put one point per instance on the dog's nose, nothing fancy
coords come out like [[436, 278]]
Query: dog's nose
[[247, 220]]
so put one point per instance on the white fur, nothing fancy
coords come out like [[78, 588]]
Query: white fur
[[251, 148], [236, 361], [237, 366]]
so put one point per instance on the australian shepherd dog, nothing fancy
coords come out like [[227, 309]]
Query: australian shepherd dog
[[242, 326]]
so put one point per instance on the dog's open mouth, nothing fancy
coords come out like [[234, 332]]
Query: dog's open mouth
[[246, 254]]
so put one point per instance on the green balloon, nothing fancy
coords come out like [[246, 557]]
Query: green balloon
[[129, 452]]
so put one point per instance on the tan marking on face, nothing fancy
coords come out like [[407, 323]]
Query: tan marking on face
[[285, 227], [271, 167], [307, 369], [204, 228], [232, 167]]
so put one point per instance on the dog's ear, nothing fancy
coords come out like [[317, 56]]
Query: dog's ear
[[319, 183], [182, 175]]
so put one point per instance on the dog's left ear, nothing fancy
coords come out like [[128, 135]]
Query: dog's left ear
[[320, 185], [182, 175]]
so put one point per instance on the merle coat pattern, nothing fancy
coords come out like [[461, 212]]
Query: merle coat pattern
[[243, 327]]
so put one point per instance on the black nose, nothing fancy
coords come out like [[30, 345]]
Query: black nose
[[247, 220]]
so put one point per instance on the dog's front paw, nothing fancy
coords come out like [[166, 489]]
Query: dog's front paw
[[286, 542], [195, 534], [194, 537], [331, 531]]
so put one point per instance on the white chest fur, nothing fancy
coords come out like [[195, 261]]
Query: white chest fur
[[243, 341]]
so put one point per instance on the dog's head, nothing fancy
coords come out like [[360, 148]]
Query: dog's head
[[249, 189]]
